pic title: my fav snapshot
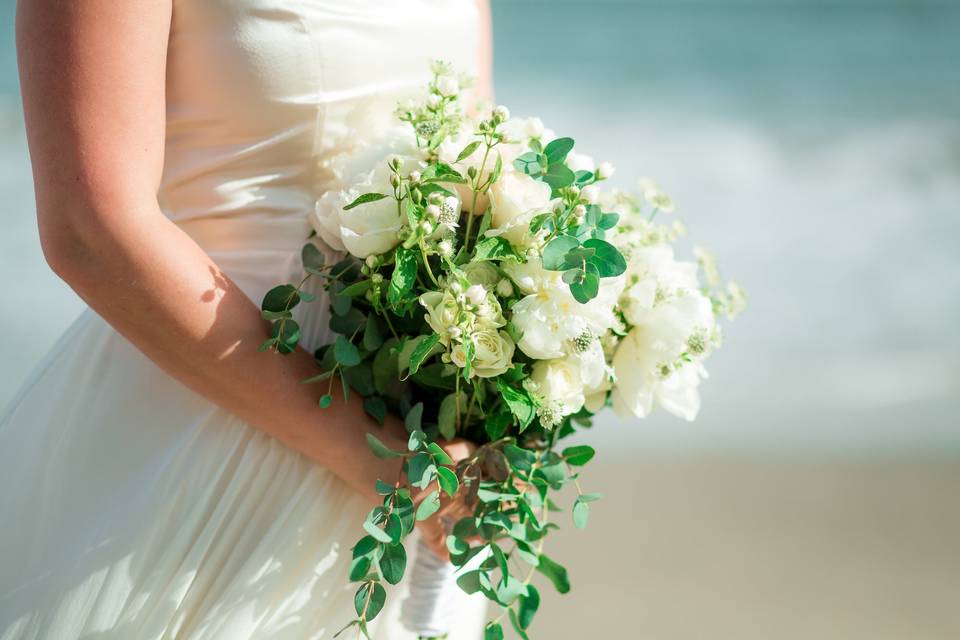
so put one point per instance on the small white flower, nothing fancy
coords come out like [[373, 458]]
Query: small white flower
[[605, 170], [427, 226], [504, 288], [371, 261], [448, 86], [501, 113], [590, 194], [433, 211], [445, 248], [580, 162], [433, 100], [415, 176], [476, 294], [533, 128]]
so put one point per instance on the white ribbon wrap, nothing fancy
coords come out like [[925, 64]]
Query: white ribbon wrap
[[433, 591]]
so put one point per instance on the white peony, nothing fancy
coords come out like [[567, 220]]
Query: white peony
[[550, 319], [653, 272], [647, 362], [559, 384]]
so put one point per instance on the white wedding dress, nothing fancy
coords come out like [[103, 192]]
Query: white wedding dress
[[132, 508]]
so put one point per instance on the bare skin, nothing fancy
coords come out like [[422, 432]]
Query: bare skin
[[93, 82]]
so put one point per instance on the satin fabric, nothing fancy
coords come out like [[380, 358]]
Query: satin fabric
[[131, 507]]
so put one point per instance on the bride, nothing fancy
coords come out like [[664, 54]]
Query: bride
[[160, 478]]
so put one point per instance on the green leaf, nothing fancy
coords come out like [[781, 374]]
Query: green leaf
[[420, 470], [529, 163], [370, 598], [606, 258], [429, 506], [357, 288], [286, 334], [346, 352], [447, 416], [394, 528], [404, 276], [558, 176], [439, 455], [414, 419], [417, 437], [312, 258], [579, 455], [448, 480], [497, 169], [468, 151], [469, 582], [394, 562], [556, 573], [519, 403], [587, 286], [364, 199], [422, 350], [379, 449], [529, 604], [557, 150], [348, 322], [376, 408], [496, 425], [516, 625], [581, 512], [494, 248], [608, 220], [379, 534], [493, 631], [556, 250], [519, 458], [280, 298], [359, 567], [360, 378], [326, 400]]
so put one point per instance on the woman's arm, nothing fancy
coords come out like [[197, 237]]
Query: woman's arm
[[93, 77]]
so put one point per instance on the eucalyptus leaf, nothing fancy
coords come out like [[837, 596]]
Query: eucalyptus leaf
[[379, 449], [281, 298], [364, 199], [393, 563], [346, 352], [429, 506], [556, 250]]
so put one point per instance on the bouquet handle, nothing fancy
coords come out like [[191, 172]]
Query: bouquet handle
[[428, 609]]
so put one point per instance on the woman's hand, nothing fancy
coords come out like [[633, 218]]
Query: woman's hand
[[436, 528]]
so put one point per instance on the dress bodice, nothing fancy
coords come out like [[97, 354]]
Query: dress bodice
[[261, 93]]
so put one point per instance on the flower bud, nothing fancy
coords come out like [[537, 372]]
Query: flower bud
[[534, 128], [454, 332], [394, 180], [590, 194], [501, 114], [415, 176], [504, 288], [605, 170], [456, 288], [433, 211], [472, 172], [371, 261], [396, 162], [427, 226], [433, 101], [579, 212], [445, 248], [448, 86], [476, 294], [376, 278]]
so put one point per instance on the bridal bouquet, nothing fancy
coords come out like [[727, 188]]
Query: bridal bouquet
[[494, 290]]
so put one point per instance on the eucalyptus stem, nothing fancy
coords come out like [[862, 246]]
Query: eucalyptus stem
[[476, 192]]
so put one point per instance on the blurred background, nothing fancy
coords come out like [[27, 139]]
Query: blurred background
[[815, 147]]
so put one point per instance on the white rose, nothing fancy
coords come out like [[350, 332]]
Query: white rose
[[645, 361], [493, 353], [530, 276]]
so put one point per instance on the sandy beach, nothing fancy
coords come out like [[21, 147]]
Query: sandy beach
[[740, 548]]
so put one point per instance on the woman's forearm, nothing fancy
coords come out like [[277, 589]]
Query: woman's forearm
[[149, 280]]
